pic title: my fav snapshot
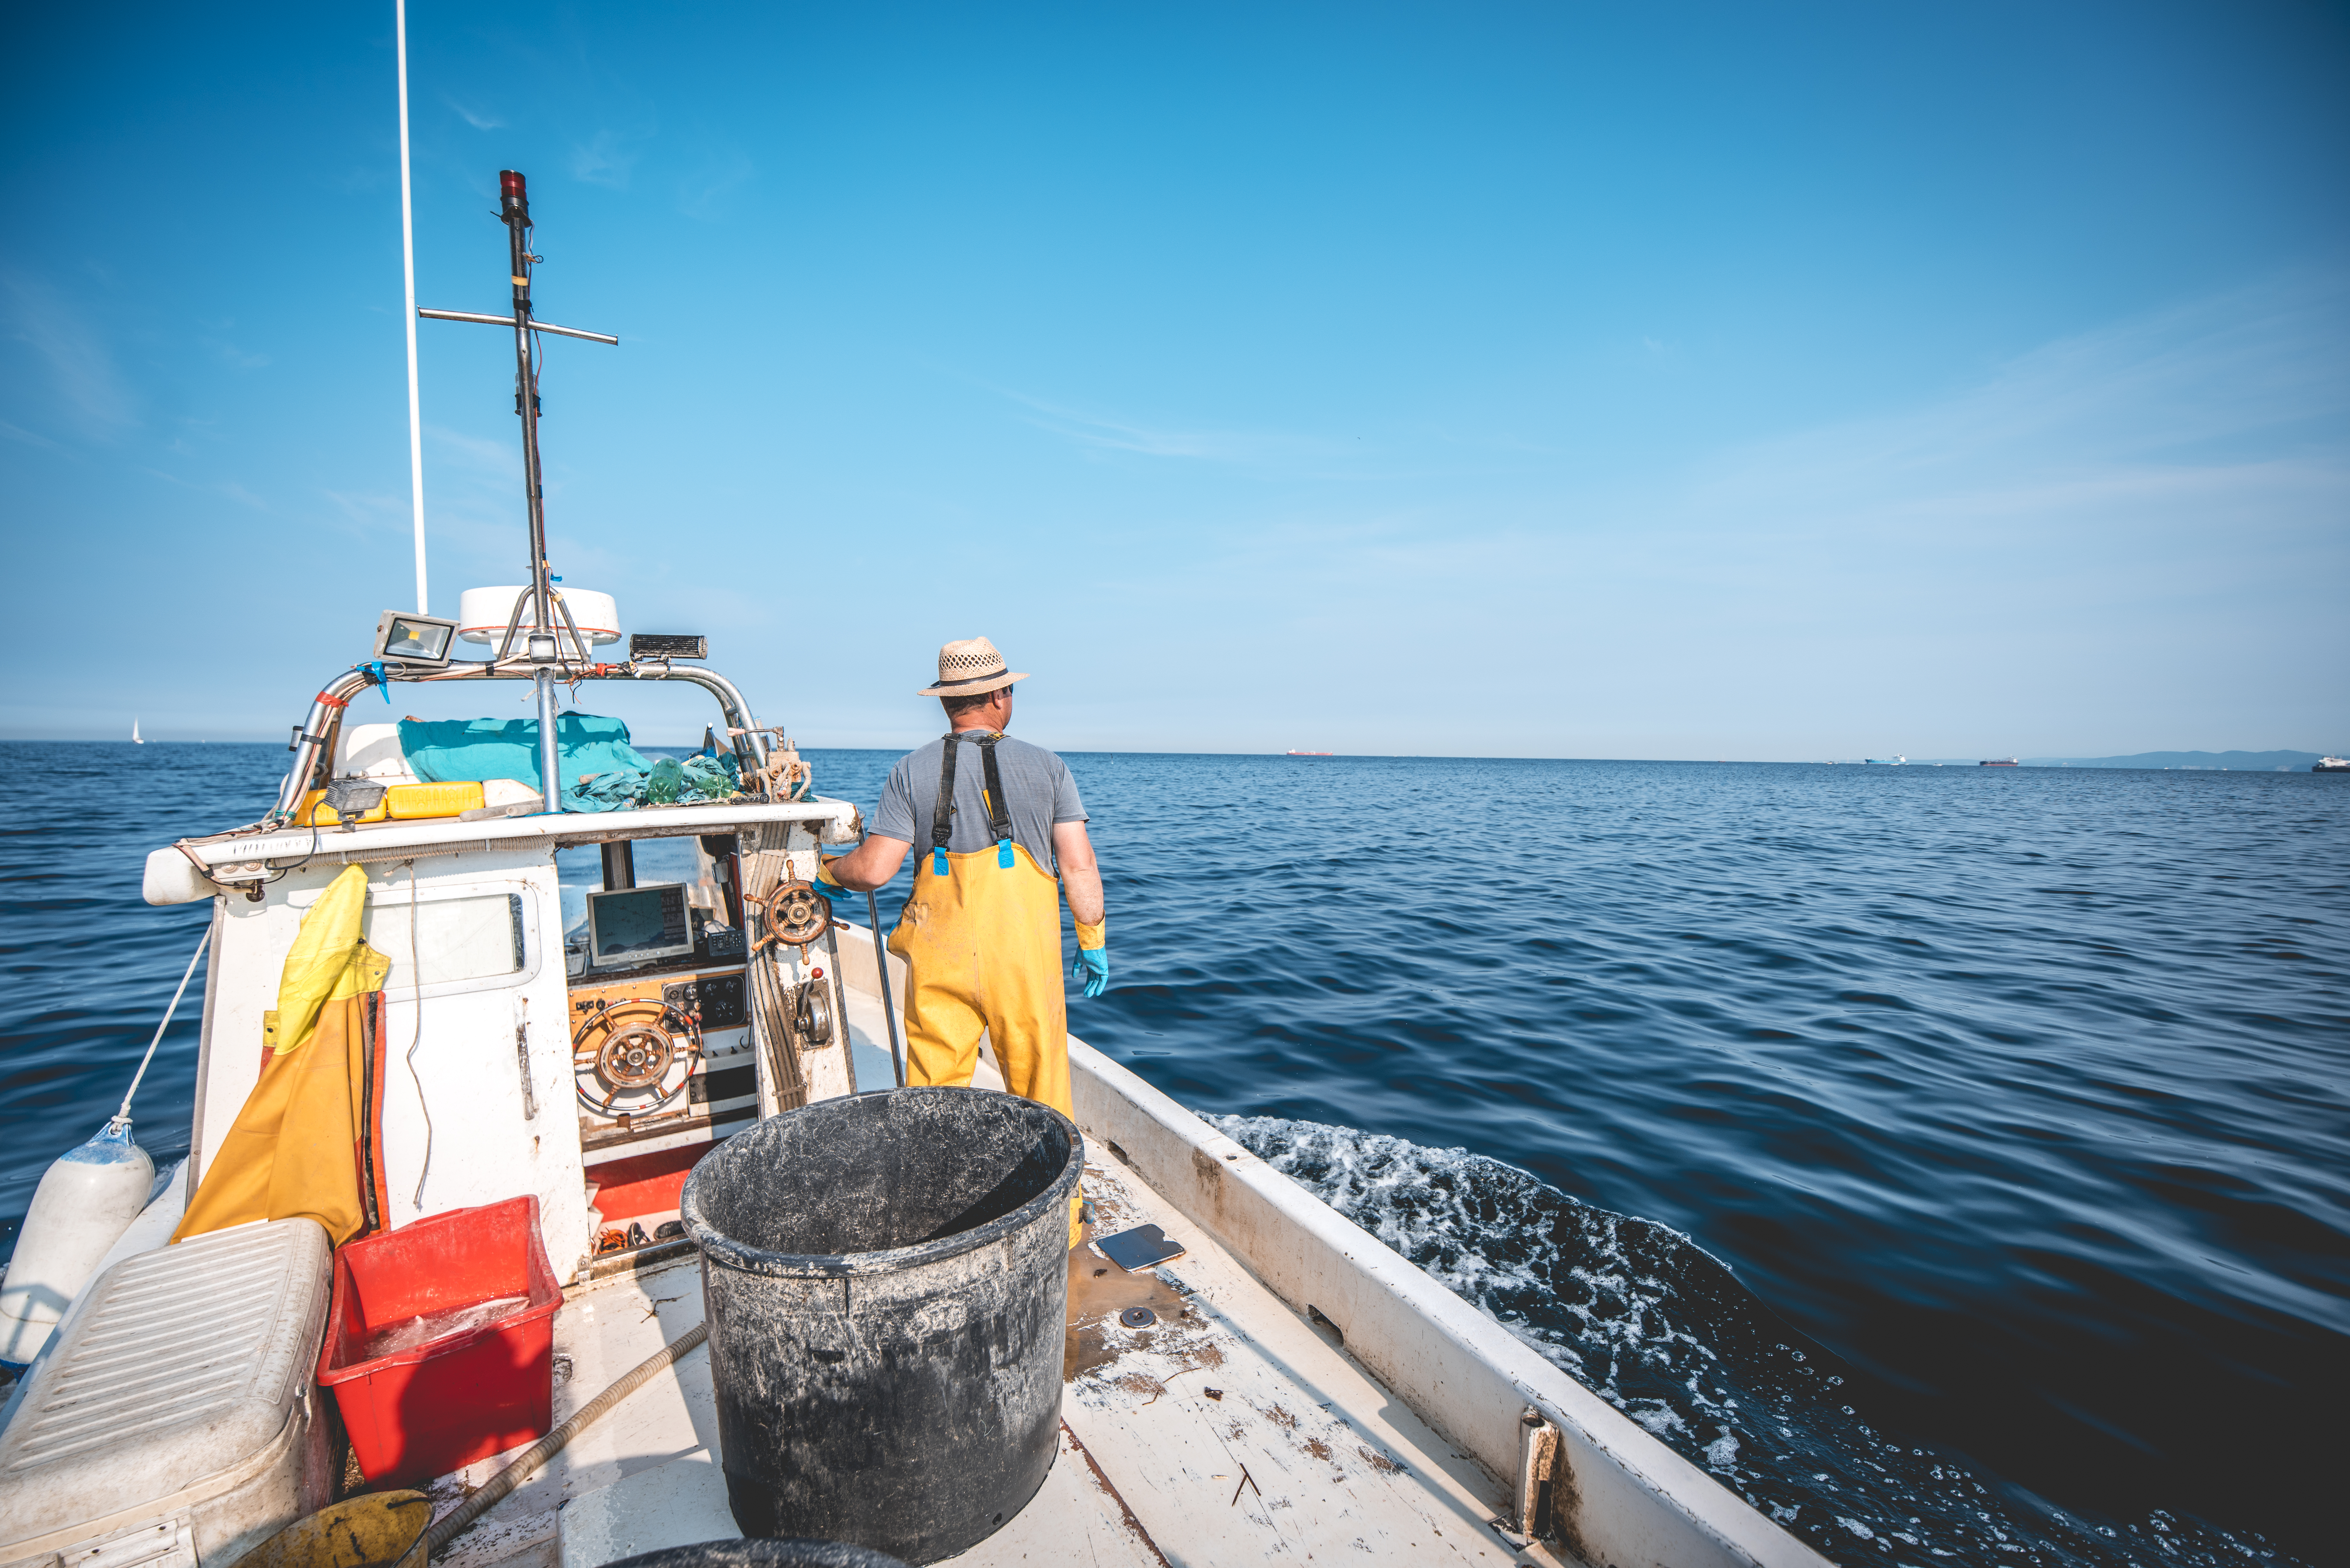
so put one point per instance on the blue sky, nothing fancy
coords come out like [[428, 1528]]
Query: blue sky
[[1507, 380]]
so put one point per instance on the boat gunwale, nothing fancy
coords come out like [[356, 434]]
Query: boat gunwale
[[1622, 1494]]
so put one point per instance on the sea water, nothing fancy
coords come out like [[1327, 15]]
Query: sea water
[[1951, 1160]]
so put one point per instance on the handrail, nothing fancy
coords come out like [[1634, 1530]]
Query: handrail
[[314, 742], [319, 728], [750, 741]]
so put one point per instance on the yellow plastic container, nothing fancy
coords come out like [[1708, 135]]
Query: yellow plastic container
[[317, 813], [406, 801], [400, 803]]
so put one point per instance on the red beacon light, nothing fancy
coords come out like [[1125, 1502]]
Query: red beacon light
[[510, 185]]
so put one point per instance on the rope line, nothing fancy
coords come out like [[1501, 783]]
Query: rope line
[[122, 1116]]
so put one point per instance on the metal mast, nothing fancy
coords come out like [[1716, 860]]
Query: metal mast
[[514, 210], [513, 197]]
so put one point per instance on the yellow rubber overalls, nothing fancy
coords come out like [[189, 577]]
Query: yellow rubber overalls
[[980, 936]]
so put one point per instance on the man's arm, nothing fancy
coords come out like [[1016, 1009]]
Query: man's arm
[[1080, 872], [874, 862]]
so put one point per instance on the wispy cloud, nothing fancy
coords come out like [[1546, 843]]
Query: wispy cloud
[[474, 118], [2121, 534], [476, 454], [1106, 433], [217, 342], [703, 193], [227, 489], [364, 513], [87, 389], [2243, 392], [16, 432], [605, 159]]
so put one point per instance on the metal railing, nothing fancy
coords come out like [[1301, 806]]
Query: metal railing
[[315, 741]]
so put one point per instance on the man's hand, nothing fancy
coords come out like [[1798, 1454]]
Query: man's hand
[[863, 868], [826, 884], [1093, 956]]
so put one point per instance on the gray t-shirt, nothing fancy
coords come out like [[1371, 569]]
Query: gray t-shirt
[[1038, 783]]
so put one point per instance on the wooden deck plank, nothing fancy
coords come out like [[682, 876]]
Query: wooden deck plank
[[1237, 1434]]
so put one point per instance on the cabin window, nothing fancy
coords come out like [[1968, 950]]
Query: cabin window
[[475, 937]]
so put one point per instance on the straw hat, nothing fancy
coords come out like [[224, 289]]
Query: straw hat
[[968, 669]]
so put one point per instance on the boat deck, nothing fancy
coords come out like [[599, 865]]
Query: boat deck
[[1232, 1431]]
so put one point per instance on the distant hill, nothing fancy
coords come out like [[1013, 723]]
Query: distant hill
[[2240, 762]]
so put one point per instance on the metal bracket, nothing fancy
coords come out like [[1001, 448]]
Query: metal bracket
[[248, 876], [522, 1058], [1537, 1453]]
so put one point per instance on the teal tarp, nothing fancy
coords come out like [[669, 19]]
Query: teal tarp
[[670, 782], [455, 751], [469, 750]]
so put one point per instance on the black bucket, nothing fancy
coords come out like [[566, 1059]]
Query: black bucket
[[763, 1555], [886, 1279]]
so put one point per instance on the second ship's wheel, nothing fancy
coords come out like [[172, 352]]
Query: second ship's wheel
[[795, 913], [635, 1056]]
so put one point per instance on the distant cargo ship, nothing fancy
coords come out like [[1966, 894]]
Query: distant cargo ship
[[2331, 765], [1312, 754], [2001, 763], [1896, 761]]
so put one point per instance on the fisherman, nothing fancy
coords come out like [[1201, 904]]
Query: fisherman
[[980, 932]]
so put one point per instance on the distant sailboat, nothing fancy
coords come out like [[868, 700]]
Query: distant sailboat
[[134, 732]]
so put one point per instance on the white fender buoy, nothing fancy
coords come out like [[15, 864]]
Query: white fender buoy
[[86, 1200]]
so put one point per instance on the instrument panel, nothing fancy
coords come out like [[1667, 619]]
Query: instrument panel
[[662, 1057]]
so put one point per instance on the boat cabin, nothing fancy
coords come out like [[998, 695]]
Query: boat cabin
[[580, 1006]]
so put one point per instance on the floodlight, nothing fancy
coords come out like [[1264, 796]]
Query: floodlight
[[351, 799], [414, 639]]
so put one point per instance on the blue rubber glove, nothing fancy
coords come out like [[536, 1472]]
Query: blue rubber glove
[[1093, 968], [827, 886]]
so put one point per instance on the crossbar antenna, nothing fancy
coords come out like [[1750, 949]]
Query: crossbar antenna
[[513, 210]]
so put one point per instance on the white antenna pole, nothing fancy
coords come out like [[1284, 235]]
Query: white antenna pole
[[407, 268]]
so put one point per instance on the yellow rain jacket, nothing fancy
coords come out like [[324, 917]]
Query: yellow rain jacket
[[308, 1140]]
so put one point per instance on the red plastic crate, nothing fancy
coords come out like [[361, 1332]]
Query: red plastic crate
[[422, 1412]]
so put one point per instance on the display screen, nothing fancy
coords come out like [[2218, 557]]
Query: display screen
[[638, 923]]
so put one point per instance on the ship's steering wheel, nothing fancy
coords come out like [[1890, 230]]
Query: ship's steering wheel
[[630, 1048]]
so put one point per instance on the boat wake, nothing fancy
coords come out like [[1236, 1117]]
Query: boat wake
[[1664, 1331]]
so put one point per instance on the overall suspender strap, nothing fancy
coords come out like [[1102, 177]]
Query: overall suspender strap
[[999, 810], [943, 814]]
